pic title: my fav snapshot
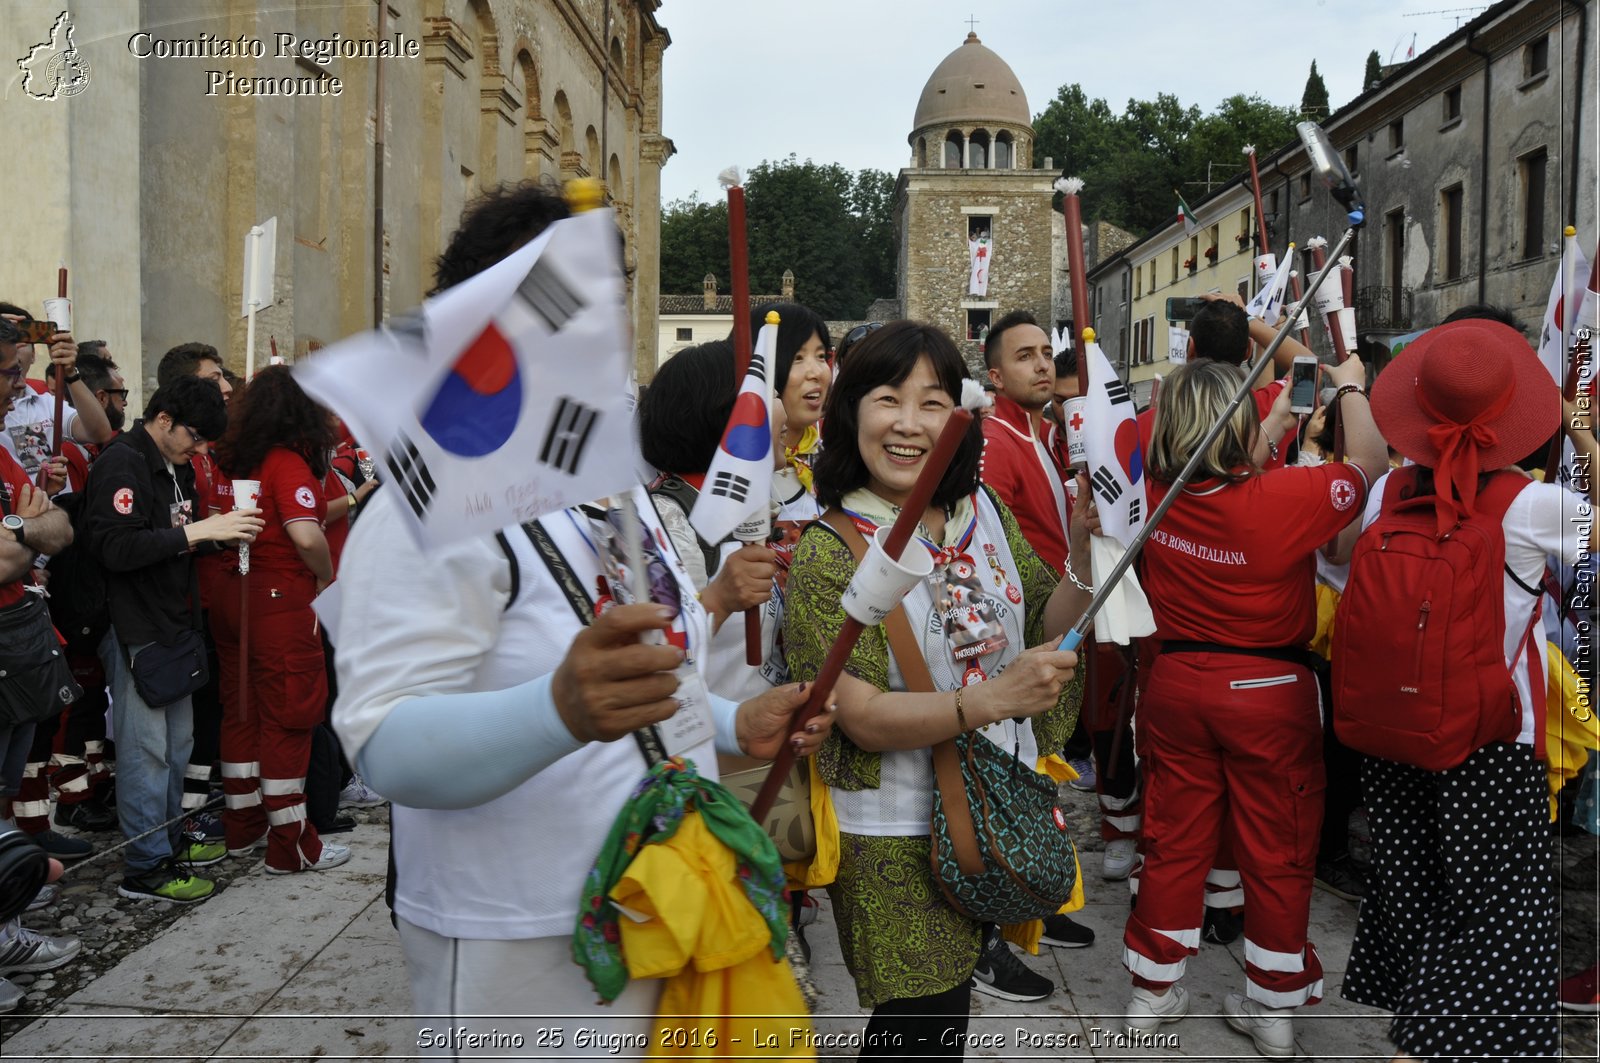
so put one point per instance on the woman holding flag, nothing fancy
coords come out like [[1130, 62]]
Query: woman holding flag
[[910, 952], [1230, 730]]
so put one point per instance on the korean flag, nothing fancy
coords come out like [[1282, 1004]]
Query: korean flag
[[504, 398], [738, 485]]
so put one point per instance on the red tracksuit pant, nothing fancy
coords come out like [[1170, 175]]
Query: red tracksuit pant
[[266, 732], [1230, 743]]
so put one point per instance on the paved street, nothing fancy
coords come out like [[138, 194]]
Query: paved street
[[235, 979]]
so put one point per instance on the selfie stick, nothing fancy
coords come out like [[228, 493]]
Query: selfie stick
[[1344, 189], [944, 451]]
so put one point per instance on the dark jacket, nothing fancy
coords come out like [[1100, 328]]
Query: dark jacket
[[137, 506]]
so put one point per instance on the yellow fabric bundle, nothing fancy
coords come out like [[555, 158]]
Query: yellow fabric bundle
[[686, 919], [1570, 726]]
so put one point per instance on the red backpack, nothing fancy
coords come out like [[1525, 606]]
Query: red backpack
[[1419, 670]]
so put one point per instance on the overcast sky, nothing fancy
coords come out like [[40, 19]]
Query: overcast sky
[[838, 80]]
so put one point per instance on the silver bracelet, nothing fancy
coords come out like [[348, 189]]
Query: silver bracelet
[[1074, 578]]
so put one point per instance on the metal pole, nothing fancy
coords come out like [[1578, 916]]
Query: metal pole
[[254, 238], [377, 174], [1075, 636]]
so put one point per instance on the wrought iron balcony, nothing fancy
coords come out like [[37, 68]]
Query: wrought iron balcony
[[1384, 307]]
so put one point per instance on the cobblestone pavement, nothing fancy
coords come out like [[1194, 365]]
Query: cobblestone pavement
[[111, 926]]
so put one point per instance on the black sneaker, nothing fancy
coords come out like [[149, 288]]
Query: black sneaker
[[342, 824], [61, 846], [86, 815], [1000, 973], [1063, 933], [1221, 925], [1341, 878]]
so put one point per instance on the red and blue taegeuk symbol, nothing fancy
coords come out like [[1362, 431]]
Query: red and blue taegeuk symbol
[[749, 435], [478, 403], [1128, 454]]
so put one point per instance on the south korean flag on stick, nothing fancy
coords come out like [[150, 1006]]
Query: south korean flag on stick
[[1116, 475], [504, 398], [738, 486]]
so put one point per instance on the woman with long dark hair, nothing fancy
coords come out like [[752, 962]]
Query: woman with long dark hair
[[281, 438], [910, 952]]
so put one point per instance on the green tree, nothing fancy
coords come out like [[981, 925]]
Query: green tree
[[833, 228], [1131, 162], [1314, 101], [694, 242], [1374, 73]]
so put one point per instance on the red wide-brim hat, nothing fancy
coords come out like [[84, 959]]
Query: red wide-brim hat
[[1465, 372]]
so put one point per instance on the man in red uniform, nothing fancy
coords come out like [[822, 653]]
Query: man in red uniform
[[1020, 464]]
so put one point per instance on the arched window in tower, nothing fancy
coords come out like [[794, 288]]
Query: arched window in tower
[[953, 150], [978, 150], [1004, 158], [922, 153]]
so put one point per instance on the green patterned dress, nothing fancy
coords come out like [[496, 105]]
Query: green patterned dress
[[898, 936]]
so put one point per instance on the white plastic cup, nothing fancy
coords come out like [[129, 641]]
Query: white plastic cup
[[1072, 418], [880, 581], [60, 311], [246, 494], [1266, 267]]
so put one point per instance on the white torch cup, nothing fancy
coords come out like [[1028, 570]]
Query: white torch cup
[[1072, 411], [59, 311], [880, 581], [246, 495]]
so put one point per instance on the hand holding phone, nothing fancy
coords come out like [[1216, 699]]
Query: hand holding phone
[[1303, 384]]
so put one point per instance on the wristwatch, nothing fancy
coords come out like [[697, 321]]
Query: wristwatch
[[14, 524], [74, 376]]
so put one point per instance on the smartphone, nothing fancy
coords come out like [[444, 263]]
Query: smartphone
[[1183, 307], [1303, 384]]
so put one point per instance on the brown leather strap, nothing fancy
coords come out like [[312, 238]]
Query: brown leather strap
[[914, 670]]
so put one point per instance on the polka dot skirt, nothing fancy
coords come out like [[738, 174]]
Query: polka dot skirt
[[1458, 933]]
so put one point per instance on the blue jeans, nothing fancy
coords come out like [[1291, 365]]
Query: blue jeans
[[153, 748]]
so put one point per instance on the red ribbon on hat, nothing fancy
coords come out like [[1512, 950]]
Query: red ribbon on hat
[[1459, 445]]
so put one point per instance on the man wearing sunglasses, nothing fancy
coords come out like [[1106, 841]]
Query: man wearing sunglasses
[[30, 426]]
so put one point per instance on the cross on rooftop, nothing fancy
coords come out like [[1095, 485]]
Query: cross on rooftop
[[972, 24]]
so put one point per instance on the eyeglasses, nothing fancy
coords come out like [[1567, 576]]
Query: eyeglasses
[[15, 372], [199, 440], [855, 336], [119, 393]]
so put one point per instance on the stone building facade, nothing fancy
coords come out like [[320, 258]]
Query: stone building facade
[[1472, 158], [971, 171], [151, 176]]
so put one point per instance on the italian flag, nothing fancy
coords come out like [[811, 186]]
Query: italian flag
[[1185, 215]]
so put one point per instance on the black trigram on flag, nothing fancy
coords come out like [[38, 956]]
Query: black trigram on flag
[[411, 474], [1116, 392], [548, 295], [570, 428], [1106, 485], [1134, 515], [729, 485]]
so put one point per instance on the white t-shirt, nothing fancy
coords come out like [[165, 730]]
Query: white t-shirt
[[416, 622], [1544, 521], [31, 427]]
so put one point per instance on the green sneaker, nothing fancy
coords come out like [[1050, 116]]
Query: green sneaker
[[167, 882], [200, 854]]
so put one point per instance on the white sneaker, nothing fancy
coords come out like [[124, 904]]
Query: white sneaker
[[359, 795], [332, 856], [1120, 856], [1147, 1011], [30, 952], [1272, 1029], [11, 995]]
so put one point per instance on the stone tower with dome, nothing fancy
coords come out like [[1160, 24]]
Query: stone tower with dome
[[971, 175]]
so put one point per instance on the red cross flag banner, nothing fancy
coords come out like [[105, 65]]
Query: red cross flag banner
[[1116, 475], [978, 252], [1572, 307], [505, 397], [738, 485]]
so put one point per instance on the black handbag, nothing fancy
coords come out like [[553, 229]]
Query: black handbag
[[35, 681], [165, 675]]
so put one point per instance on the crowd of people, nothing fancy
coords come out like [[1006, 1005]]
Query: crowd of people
[[128, 542], [509, 692]]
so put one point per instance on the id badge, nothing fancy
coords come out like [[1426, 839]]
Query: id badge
[[180, 513], [692, 724]]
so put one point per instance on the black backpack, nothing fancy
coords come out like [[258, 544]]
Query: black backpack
[[78, 600]]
